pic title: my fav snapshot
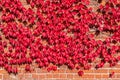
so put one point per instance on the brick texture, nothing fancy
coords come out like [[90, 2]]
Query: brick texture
[[63, 73]]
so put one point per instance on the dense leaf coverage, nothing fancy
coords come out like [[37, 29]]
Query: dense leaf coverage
[[58, 32]]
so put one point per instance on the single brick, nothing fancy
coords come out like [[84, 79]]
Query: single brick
[[35, 76], [61, 71], [21, 70], [63, 67], [28, 75], [71, 71], [114, 70], [103, 2], [56, 75], [101, 71], [41, 76], [20, 75], [98, 75], [88, 76], [6, 77], [107, 65], [117, 66], [22, 66], [63, 75], [49, 75], [76, 76], [105, 75], [88, 71], [117, 76], [70, 76], [78, 79], [2, 71], [38, 70], [1, 76]]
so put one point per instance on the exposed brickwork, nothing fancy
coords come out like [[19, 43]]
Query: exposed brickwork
[[63, 73]]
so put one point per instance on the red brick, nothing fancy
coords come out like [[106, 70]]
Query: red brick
[[56, 75], [28, 75], [115, 79], [88, 76], [71, 71], [98, 76], [35, 76], [78, 79], [6, 77], [2, 71], [1, 76], [61, 70], [105, 75], [88, 71], [38, 70], [70, 76], [103, 2], [117, 76], [20, 76], [22, 66], [106, 65], [49, 75], [41, 76], [101, 71], [63, 75], [76, 76], [21, 70], [114, 70], [61, 79]]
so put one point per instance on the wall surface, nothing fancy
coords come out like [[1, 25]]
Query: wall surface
[[63, 73]]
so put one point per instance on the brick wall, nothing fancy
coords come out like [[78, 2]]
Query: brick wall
[[63, 73]]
